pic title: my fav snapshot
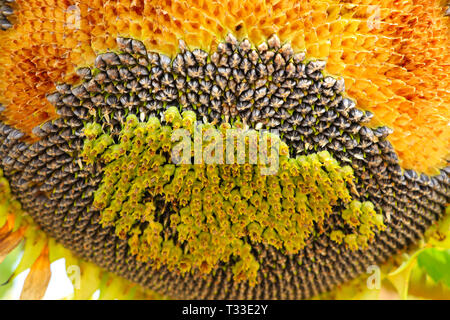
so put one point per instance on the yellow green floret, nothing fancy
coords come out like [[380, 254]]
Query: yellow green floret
[[217, 208]]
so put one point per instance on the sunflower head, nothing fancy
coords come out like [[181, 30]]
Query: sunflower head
[[234, 149]]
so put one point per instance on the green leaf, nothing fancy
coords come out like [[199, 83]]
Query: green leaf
[[437, 264], [7, 268]]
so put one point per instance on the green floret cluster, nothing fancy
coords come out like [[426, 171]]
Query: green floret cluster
[[216, 213]]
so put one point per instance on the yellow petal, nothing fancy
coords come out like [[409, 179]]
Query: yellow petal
[[9, 242]]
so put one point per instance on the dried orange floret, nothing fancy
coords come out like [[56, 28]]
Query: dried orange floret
[[394, 55]]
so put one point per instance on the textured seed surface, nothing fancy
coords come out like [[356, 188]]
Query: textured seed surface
[[265, 89], [6, 11], [392, 55]]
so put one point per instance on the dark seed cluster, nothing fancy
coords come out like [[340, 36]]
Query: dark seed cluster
[[5, 12], [265, 87]]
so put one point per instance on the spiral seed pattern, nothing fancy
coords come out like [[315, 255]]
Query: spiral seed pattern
[[269, 86]]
